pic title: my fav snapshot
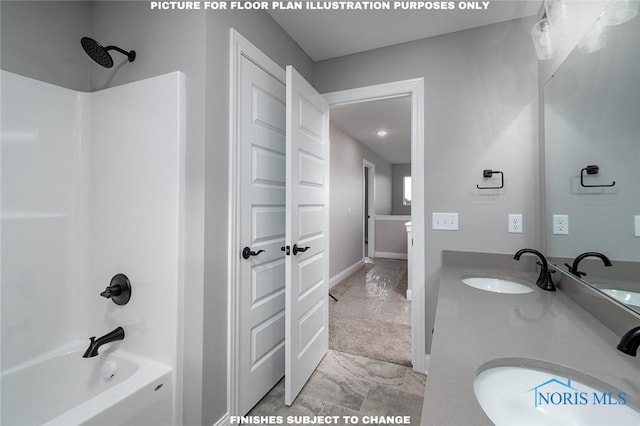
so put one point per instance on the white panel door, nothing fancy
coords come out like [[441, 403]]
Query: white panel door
[[307, 227], [262, 222]]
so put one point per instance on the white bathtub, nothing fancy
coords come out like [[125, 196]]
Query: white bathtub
[[63, 389]]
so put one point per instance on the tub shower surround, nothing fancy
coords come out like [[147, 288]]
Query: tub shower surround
[[92, 186]]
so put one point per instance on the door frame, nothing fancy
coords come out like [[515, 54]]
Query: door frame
[[369, 198], [239, 47], [415, 89]]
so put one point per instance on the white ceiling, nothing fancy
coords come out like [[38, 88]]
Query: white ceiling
[[363, 120], [333, 33]]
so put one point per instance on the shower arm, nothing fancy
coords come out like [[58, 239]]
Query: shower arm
[[117, 49]]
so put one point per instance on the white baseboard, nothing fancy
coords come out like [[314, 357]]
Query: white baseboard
[[223, 421], [344, 274], [409, 294], [427, 361], [385, 255]]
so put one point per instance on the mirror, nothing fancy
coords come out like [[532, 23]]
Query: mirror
[[592, 118]]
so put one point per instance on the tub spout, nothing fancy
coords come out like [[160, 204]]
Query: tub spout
[[92, 350]]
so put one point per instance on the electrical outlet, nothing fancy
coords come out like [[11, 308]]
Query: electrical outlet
[[636, 221], [515, 223], [444, 221], [560, 224]]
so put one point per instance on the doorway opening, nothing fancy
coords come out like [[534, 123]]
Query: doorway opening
[[414, 90], [371, 142]]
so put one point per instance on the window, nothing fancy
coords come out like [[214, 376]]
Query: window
[[406, 198]]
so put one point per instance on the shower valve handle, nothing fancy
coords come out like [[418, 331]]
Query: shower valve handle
[[119, 290], [112, 290]]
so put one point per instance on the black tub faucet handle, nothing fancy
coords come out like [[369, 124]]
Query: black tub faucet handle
[[119, 290]]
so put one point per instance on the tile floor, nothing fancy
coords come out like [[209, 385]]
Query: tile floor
[[351, 385], [347, 384]]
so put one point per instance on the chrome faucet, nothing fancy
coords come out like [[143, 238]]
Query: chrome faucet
[[630, 342], [544, 279], [574, 268], [112, 336]]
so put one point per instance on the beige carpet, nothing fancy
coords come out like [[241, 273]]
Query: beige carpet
[[372, 315], [370, 338]]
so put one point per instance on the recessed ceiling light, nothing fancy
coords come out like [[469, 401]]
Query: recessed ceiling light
[[382, 133]]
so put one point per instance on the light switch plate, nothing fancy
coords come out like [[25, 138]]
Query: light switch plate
[[560, 224], [515, 223], [444, 221], [636, 220]]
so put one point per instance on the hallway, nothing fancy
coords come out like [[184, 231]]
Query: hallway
[[372, 317]]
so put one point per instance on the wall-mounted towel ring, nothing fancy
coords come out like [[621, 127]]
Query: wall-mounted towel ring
[[592, 170], [487, 173]]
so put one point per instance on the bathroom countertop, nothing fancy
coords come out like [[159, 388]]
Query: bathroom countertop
[[474, 326]]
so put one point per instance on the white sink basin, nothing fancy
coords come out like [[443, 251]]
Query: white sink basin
[[536, 396], [497, 285], [623, 296]]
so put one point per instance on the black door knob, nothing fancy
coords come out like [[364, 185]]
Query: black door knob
[[247, 252], [297, 249]]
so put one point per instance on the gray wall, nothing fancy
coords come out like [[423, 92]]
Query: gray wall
[[398, 172], [481, 111], [346, 181], [41, 40]]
